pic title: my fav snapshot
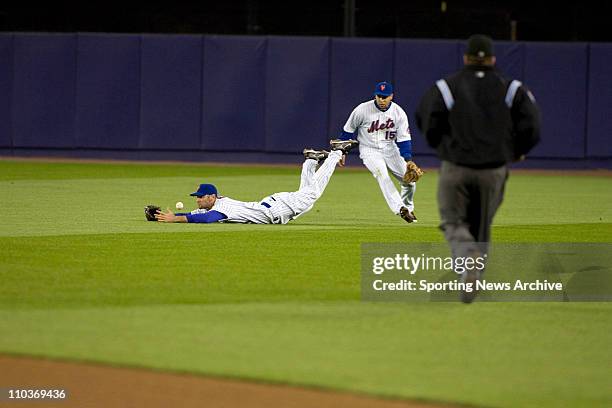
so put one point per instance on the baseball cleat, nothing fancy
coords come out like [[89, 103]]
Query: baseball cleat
[[407, 215], [343, 145], [318, 155]]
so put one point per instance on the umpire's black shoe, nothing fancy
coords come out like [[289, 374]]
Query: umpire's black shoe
[[407, 215], [318, 155], [343, 145], [470, 277]]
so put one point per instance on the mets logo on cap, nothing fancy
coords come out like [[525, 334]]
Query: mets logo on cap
[[383, 89]]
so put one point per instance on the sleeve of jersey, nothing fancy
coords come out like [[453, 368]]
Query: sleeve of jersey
[[208, 217], [198, 211], [405, 149], [432, 117], [350, 127], [403, 140], [346, 135], [526, 119]]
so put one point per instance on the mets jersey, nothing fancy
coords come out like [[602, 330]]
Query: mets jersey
[[378, 129], [243, 212], [273, 210]]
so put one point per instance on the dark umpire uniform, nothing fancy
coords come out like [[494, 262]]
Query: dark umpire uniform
[[478, 121]]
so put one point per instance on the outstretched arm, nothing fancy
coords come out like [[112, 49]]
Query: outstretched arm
[[205, 218], [169, 216]]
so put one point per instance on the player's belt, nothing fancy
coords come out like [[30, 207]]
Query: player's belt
[[275, 217], [266, 204]]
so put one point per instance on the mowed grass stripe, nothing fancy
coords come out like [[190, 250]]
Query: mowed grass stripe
[[40, 170], [114, 205], [85, 277], [502, 354], [269, 263]]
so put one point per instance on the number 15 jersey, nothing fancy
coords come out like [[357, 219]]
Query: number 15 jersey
[[377, 129]]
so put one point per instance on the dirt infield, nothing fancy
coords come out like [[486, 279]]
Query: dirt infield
[[92, 385]]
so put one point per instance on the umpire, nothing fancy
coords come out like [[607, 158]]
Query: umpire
[[478, 121]]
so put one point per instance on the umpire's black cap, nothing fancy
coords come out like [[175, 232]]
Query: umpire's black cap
[[480, 46]]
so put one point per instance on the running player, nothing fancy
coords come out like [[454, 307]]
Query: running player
[[384, 140]]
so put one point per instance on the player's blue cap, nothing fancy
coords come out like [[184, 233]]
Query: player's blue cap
[[383, 89], [205, 189]]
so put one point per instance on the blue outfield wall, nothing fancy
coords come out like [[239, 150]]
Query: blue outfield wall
[[233, 91], [6, 90], [599, 103], [170, 92], [296, 100], [108, 91], [195, 96], [43, 90]]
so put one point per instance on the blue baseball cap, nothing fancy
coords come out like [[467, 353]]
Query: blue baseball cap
[[383, 89], [205, 189]]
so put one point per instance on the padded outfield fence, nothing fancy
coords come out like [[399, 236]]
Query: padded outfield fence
[[206, 94]]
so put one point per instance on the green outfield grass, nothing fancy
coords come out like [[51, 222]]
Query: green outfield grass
[[84, 277]]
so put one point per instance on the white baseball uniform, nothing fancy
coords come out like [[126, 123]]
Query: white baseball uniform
[[377, 132], [280, 208]]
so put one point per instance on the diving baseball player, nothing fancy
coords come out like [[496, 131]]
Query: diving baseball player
[[384, 143], [279, 208]]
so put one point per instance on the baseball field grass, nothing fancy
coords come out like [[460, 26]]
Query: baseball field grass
[[84, 277]]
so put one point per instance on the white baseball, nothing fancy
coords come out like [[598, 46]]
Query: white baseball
[[179, 205]]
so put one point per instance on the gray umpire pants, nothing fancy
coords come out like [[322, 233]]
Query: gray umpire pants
[[468, 200]]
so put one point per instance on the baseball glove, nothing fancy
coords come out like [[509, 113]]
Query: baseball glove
[[150, 211], [413, 172]]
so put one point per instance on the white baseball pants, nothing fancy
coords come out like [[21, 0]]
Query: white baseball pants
[[289, 206], [378, 161]]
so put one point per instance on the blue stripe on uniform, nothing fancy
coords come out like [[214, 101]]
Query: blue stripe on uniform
[[405, 149], [346, 135]]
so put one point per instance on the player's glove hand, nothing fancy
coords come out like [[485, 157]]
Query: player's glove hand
[[150, 211], [413, 172]]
